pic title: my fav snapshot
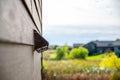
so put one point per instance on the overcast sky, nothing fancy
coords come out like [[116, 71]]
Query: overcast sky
[[80, 21]]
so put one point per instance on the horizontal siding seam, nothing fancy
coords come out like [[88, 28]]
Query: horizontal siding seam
[[12, 42]]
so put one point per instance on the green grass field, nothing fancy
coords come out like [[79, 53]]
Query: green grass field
[[73, 69], [70, 66], [96, 57]]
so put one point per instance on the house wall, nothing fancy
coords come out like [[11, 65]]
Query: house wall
[[18, 60], [117, 50], [104, 49], [91, 48]]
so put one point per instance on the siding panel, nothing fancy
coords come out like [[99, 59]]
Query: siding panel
[[16, 62], [15, 23]]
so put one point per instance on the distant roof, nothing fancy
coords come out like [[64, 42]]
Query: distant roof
[[77, 44], [106, 43]]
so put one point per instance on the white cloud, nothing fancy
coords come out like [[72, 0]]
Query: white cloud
[[80, 12], [82, 30]]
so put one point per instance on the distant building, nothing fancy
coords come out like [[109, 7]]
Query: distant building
[[96, 47], [70, 48], [53, 47], [76, 45]]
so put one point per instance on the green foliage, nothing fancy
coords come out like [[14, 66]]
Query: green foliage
[[118, 39], [61, 52], [44, 65], [79, 53], [74, 53], [65, 49], [110, 61], [64, 53]]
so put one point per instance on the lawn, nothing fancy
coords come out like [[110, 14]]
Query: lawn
[[96, 57]]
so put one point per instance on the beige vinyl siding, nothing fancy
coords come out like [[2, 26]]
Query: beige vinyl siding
[[18, 19]]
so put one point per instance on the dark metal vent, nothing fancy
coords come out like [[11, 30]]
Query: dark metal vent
[[40, 44]]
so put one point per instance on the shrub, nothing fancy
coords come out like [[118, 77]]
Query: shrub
[[59, 53], [74, 53], [79, 53], [110, 61]]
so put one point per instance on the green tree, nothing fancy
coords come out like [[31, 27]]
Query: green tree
[[65, 48], [62, 52], [59, 53], [118, 39]]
